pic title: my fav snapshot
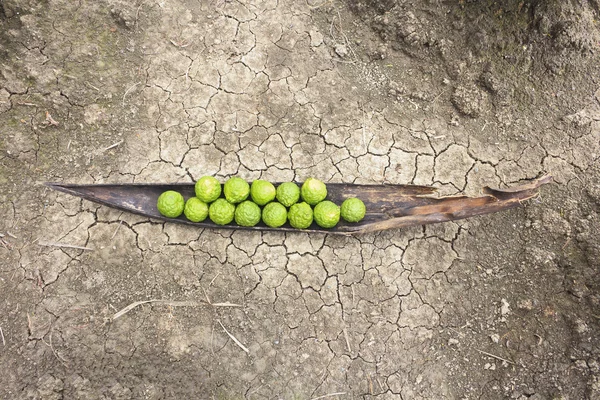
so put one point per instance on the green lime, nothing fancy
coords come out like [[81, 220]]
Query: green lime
[[195, 209], [221, 212], [288, 193], [327, 214], [300, 215], [353, 209], [313, 191], [170, 204], [262, 192], [247, 213], [208, 189], [236, 190], [274, 215]]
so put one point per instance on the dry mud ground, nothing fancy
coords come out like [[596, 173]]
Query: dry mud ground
[[456, 94]]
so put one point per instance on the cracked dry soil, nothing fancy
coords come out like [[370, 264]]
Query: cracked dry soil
[[454, 94]]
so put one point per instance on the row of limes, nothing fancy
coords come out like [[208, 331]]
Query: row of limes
[[208, 203]]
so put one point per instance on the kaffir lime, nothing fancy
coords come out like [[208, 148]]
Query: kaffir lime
[[195, 209], [170, 204], [288, 193], [327, 214], [236, 190], [221, 212], [300, 215], [262, 192], [313, 191], [274, 215], [353, 209], [247, 213], [208, 189]]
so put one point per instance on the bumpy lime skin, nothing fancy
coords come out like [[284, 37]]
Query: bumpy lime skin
[[247, 213], [274, 215], [300, 215], [221, 212], [236, 190], [195, 209], [208, 189], [288, 194], [327, 214], [313, 191], [353, 209], [262, 192], [170, 204]]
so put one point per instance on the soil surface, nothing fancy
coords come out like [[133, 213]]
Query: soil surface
[[455, 94]]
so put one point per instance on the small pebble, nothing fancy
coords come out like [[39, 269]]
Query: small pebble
[[526, 304], [505, 307], [341, 50]]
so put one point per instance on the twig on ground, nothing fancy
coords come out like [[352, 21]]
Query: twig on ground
[[117, 230], [29, 324], [496, 357], [58, 356], [234, 338], [69, 246], [112, 146], [137, 12], [206, 295], [92, 86], [27, 104], [6, 244], [329, 395], [181, 45], [2, 335], [346, 37], [169, 303], [213, 279], [187, 73], [347, 339], [11, 235], [128, 90], [319, 5], [49, 120]]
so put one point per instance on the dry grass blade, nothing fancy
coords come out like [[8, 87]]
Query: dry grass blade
[[241, 346], [49, 120], [112, 146], [225, 304], [128, 90], [2, 334], [495, 356], [69, 246], [328, 395], [169, 303]]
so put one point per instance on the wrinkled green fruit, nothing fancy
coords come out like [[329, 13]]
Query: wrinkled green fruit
[[353, 210], [327, 214], [262, 192], [208, 189], [195, 209], [221, 212], [236, 190], [300, 215], [274, 215], [313, 191], [288, 194], [170, 204], [247, 213]]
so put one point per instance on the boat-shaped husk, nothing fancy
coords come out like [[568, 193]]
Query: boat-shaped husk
[[388, 206]]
